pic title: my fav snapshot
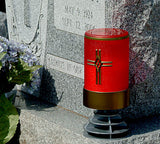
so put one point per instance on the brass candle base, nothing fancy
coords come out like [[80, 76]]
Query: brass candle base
[[106, 101], [107, 125]]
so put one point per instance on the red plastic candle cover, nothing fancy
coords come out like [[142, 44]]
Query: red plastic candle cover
[[106, 60]]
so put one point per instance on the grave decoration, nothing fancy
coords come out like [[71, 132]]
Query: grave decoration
[[106, 80], [17, 66]]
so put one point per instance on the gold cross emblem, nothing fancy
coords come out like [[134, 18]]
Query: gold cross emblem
[[98, 64]]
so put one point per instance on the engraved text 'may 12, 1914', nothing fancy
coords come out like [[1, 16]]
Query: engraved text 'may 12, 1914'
[[78, 16]]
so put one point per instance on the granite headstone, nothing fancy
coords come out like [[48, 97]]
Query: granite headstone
[[54, 31]]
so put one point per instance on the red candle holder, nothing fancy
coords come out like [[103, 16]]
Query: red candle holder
[[106, 69]]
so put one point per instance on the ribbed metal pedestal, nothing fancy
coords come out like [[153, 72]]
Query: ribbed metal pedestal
[[106, 124]]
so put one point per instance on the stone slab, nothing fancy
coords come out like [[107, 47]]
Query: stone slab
[[44, 123]]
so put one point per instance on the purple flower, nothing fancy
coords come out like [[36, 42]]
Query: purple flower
[[16, 51]]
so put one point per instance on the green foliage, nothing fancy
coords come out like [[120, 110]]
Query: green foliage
[[1, 56], [21, 72], [14, 69], [0, 65], [8, 120]]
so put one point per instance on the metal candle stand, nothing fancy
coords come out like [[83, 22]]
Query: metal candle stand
[[106, 124]]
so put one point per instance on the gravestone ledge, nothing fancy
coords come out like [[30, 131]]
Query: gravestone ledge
[[48, 124]]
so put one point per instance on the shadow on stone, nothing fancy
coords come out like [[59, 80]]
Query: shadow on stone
[[48, 96], [144, 125], [3, 6], [48, 90], [29, 102], [3, 25]]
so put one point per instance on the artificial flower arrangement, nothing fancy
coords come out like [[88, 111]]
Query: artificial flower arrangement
[[17, 66]]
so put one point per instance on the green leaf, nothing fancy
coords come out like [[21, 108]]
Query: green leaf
[[34, 68], [2, 55], [0, 65], [21, 72], [4, 128], [8, 120], [20, 77]]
